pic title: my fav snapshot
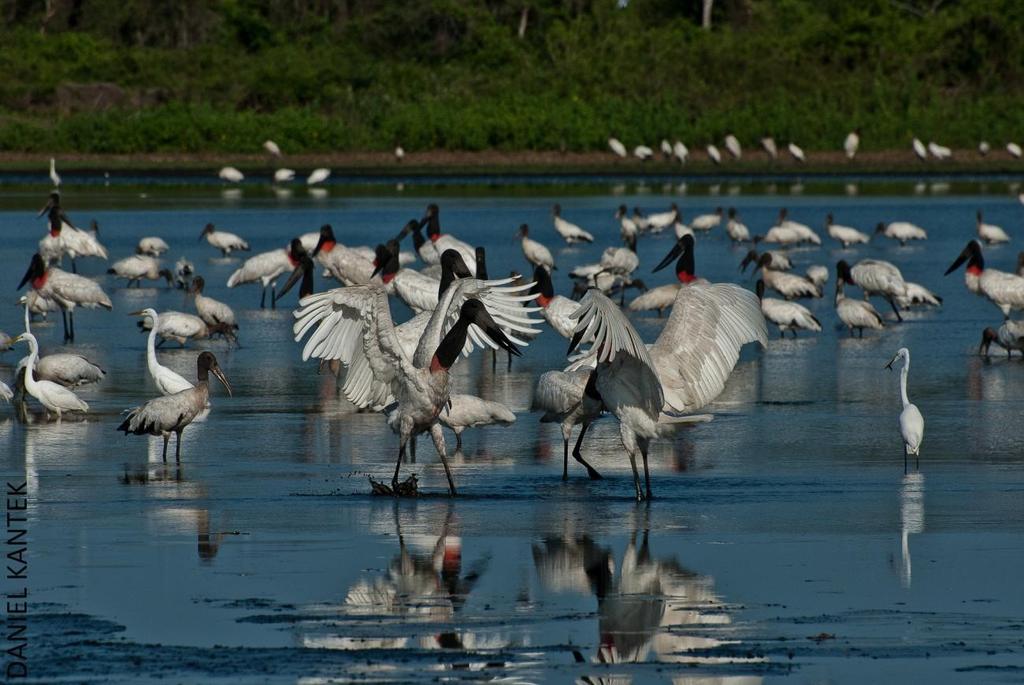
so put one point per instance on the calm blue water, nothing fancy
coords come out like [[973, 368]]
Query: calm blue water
[[788, 517]]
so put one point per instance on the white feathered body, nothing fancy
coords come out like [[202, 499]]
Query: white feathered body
[[152, 246], [789, 315], [69, 370], [71, 290]]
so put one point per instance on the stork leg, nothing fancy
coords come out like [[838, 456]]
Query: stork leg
[[458, 441], [509, 361], [177, 446], [74, 267], [64, 315], [263, 298], [401, 455], [644, 446], [438, 435], [167, 436], [565, 458], [71, 322], [494, 360], [273, 295], [904, 459], [591, 471], [895, 309]]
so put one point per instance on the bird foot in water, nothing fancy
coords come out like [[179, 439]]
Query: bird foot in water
[[407, 488]]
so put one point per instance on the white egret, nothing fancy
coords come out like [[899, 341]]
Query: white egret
[[911, 421], [54, 397], [167, 381]]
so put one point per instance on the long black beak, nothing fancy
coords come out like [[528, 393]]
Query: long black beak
[[983, 347], [25, 279], [673, 254], [201, 236], [44, 210], [460, 269], [222, 378], [889, 365], [319, 244], [494, 332], [574, 343], [955, 265], [294, 278], [746, 262]]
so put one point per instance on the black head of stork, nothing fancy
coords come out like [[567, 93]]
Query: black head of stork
[[453, 266], [970, 254], [207, 364], [207, 230], [473, 312], [683, 250], [36, 270], [327, 241]]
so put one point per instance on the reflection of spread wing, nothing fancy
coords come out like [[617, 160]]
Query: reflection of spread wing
[[701, 342], [344, 321], [503, 302]]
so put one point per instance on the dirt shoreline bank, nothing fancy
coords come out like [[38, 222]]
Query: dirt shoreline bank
[[446, 163]]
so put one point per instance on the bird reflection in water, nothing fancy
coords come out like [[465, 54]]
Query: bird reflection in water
[[423, 584], [643, 604], [911, 519]]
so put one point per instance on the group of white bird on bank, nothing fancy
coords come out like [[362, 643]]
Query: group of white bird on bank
[[284, 175], [403, 370], [679, 152]]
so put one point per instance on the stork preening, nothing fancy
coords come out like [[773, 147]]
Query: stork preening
[[173, 413], [1009, 336], [911, 421]]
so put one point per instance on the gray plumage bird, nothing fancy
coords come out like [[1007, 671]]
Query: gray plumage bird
[[172, 413]]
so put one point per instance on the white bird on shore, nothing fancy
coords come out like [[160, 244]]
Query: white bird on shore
[[1009, 336], [990, 233], [666, 149], [844, 234], [680, 151], [231, 175], [222, 240], [54, 397], [211, 311], [568, 230], [643, 152], [318, 176], [788, 316], [768, 143], [1005, 290], [67, 290], [1014, 150], [272, 148], [852, 143], [856, 314], [685, 369], [939, 151], [902, 231], [736, 229], [152, 246], [167, 381], [796, 152], [535, 252], [919, 149], [911, 421], [54, 176], [984, 148], [399, 153], [284, 175], [173, 413], [266, 268], [138, 267], [617, 147], [713, 153], [875, 277], [733, 146]]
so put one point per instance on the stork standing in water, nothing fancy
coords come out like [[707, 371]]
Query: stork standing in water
[[354, 325], [568, 230], [66, 238], [138, 267], [569, 398], [684, 370], [535, 253], [167, 381], [664, 296], [1009, 336], [267, 267], [173, 413], [875, 277], [443, 241], [212, 312], [67, 290], [911, 421], [1005, 290], [222, 240], [54, 397], [788, 316]]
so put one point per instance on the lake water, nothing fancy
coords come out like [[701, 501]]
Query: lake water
[[785, 542]]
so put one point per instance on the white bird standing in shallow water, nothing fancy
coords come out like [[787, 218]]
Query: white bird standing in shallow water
[[318, 176], [267, 267], [568, 230], [173, 413], [55, 398], [154, 246], [54, 176], [443, 241], [535, 252], [67, 290], [990, 233], [736, 229], [1005, 290], [859, 314], [901, 231], [211, 311], [851, 143], [875, 277], [846, 235], [911, 421], [231, 175], [788, 316], [223, 241], [466, 411], [167, 381], [684, 370]]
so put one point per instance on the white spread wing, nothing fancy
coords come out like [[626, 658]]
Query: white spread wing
[[701, 342]]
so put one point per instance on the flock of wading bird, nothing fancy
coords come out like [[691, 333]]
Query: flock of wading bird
[[403, 370]]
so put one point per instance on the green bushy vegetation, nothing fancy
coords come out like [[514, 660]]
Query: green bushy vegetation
[[340, 75]]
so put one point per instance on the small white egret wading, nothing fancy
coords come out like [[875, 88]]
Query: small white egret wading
[[911, 421]]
